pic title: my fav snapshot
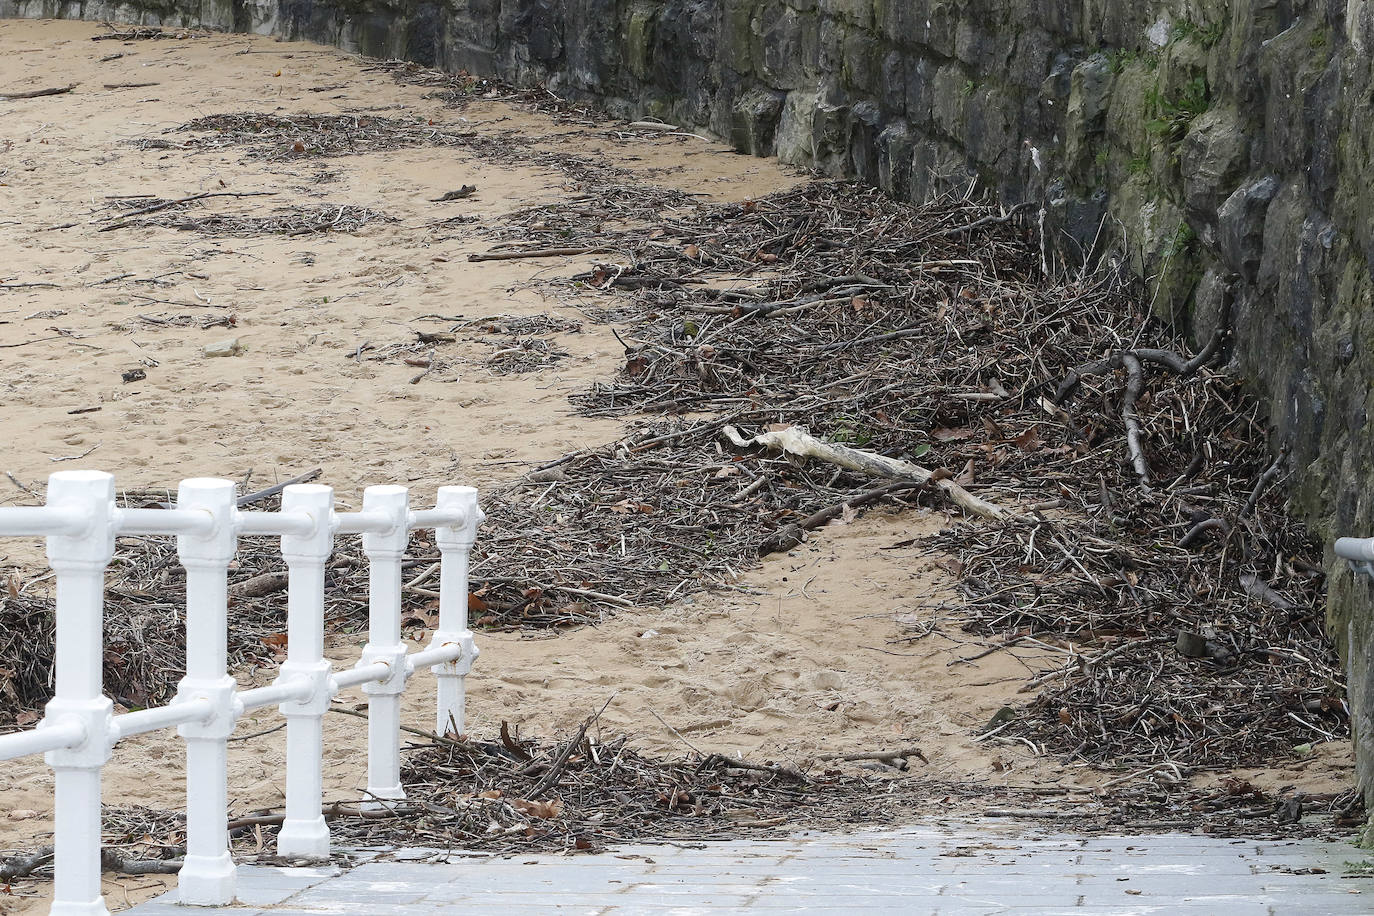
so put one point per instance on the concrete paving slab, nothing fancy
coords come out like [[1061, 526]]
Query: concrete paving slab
[[949, 869]]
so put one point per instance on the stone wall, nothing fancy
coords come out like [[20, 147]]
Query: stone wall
[[1222, 150]]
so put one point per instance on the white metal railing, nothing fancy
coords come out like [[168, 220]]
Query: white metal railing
[[1360, 553], [79, 729]]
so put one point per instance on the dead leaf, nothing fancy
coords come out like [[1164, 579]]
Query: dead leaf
[[945, 434], [1029, 440], [626, 506], [966, 475], [540, 809], [475, 603], [491, 794], [692, 252], [951, 565]]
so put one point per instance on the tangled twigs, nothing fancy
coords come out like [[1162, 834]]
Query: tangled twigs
[[1264, 481], [168, 204]]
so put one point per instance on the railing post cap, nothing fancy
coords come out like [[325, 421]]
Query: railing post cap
[[318, 501], [463, 499], [215, 496], [80, 486], [93, 493], [394, 502], [206, 485]]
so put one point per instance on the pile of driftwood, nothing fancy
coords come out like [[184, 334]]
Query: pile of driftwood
[[1131, 516]]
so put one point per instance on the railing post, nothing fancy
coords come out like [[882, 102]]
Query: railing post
[[385, 550], [207, 873], [455, 543], [79, 561], [304, 832]]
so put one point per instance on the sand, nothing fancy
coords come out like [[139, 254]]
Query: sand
[[792, 662]]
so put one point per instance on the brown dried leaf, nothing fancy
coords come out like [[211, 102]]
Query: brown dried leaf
[[541, 809]]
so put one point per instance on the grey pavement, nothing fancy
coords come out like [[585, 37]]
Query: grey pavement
[[953, 867]]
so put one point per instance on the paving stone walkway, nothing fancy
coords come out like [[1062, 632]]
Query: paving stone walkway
[[959, 868]]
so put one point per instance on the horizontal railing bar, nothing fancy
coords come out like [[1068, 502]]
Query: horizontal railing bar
[[355, 676], [164, 521], [272, 694], [438, 655], [1360, 550], [32, 521], [281, 523], [364, 522], [437, 518], [39, 740], [150, 720]]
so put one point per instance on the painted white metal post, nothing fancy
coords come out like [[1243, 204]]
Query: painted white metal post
[[304, 832], [455, 544], [385, 550], [207, 873], [79, 561]]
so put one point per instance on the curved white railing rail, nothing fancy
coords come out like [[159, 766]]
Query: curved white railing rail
[[79, 728]]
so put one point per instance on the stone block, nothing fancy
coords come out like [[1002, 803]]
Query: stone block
[[794, 141], [755, 123], [1029, 64], [920, 90], [936, 167], [1240, 227], [865, 123], [787, 45], [853, 12], [1085, 117], [862, 61], [1213, 157], [639, 38], [895, 145], [952, 87], [830, 137]]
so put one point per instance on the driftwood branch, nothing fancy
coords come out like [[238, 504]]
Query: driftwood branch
[[111, 860], [516, 253], [38, 93], [796, 441], [276, 488], [785, 772], [880, 756], [1134, 383], [789, 536], [1262, 484]]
